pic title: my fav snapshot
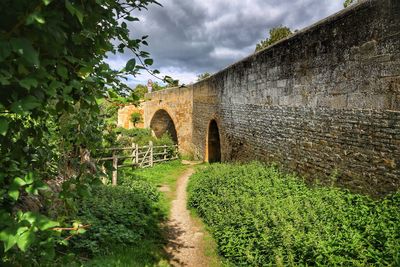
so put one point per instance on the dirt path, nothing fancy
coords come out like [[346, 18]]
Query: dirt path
[[185, 245]]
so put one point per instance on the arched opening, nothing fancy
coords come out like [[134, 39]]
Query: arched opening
[[214, 146], [162, 123]]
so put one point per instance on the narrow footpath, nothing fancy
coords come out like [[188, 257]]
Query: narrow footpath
[[185, 245]]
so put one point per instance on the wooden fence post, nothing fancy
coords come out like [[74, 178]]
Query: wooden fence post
[[151, 153], [137, 154], [165, 152], [115, 169], [133, 154]]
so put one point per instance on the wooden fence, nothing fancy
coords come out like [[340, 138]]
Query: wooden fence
[[138, 156]]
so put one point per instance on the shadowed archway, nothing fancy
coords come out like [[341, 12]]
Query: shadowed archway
[[162, 123], [214, 145]]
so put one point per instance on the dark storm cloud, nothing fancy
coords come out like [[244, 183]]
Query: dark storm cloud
[[191, 37]]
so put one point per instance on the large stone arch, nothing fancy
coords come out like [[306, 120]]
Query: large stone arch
[[161, 123], [178, 103]]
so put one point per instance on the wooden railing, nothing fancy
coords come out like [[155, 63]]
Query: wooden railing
[[140, 156]]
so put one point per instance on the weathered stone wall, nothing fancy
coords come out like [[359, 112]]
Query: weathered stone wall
[[326, 99], [124, 116], [178, 103]]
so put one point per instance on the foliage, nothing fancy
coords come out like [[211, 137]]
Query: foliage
[[52, 75], [349, 2], [275, 34], [174, 83], [140, 89], [136, 133], [141, 137], [122, 201], [262, 217], [122, 215], [203, 76], [136, 118]]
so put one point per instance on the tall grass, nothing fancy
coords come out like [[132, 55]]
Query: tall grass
[[262, 217]]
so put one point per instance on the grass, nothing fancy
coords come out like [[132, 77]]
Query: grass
[[165, 174], [148, 252]]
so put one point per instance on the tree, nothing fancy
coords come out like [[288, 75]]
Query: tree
[[174, 83], [52, 75], [157, 87], [203, 76], [140, 90], [136, 118], [275, 34]]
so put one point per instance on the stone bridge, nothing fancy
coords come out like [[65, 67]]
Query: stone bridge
[[324, 101]]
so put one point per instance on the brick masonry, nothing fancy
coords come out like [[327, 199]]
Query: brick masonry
[[325, 100]]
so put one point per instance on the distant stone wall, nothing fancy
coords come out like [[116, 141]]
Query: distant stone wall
[[124, 117], [326, 100]]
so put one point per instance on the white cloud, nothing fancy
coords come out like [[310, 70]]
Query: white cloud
[[187, 38]]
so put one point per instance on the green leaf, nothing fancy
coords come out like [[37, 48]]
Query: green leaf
[[28, 83], [148, 61], [74, 11], [130, 65], [35, 17], [129, 18], [30, 102], [62, 71], [14, 193], [44, 224], [46, 2], [3, 126], [26, 239], [29, 178], [5, 50], [24, 48], [35, 187], [9, 238], [19, 182], [26, 104]]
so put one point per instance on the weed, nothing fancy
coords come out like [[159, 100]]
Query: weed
[[262, 217]]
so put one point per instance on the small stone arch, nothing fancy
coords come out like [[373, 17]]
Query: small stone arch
[[213, 149], [162, 123]]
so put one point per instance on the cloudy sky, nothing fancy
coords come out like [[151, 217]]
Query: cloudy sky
[[189, 37]]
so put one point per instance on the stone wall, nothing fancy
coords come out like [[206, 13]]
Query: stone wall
[[325, 100], [178, 104], [124, 116]]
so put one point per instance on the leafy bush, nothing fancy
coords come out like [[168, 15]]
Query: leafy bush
[[121, 215], [136, 118], [52, 75], [141, 137], [260, 216]]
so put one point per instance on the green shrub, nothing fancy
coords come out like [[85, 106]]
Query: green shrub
[[261, 217], [121, 215]]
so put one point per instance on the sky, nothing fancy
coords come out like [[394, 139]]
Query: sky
[[190, 37]]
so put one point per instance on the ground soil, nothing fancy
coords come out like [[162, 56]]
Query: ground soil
[[186, 243]]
